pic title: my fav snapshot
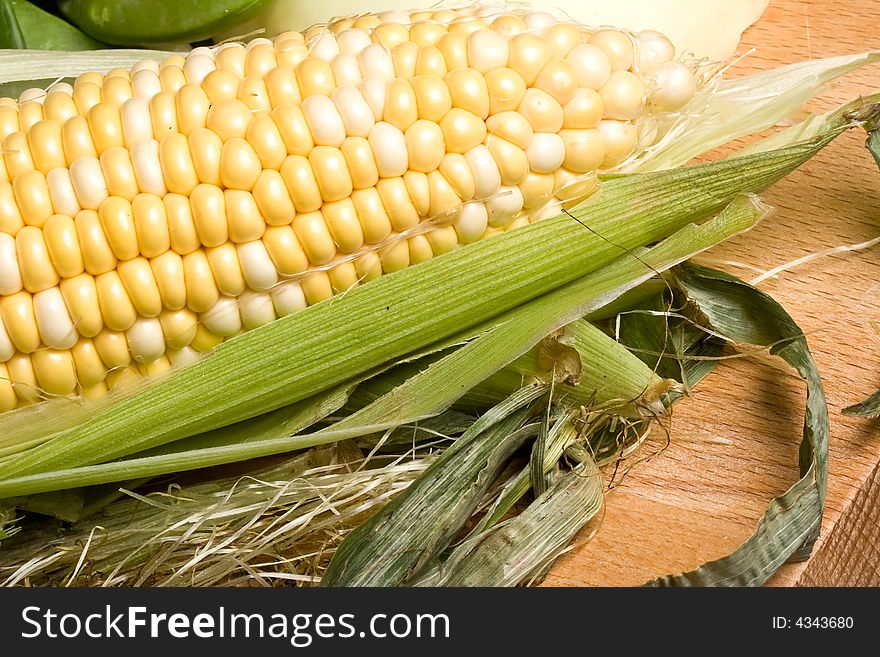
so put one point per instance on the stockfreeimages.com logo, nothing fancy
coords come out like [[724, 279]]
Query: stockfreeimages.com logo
[[300, 630]]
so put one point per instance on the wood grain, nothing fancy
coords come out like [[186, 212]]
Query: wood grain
[[733, 445]]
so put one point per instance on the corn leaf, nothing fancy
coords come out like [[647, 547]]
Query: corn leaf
[[561, 435], [286, 421], [591, 369], [518, 330], [791, 525], [539, 454], [869, 408], [668, 336], [516, 550], [73, 504], [17, 427], [874, 145], [393, 545]]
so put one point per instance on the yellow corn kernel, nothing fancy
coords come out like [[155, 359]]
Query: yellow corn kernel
[[112, 347], [253, 93], [285, 250], [151, 225], [177, 164], [59, 233], [179, 327], [116, 307], [272, 198], [90, 369], [226, 269], [24, 379], [205, 340], [119, 173], [17, 313], [181, 226], [46, 148], [81, 298], [54, 371], [208, 206], [76, 138], [243, 216], [201, 291], [105, 124], [8, 399], [169, 275], [137, 277]]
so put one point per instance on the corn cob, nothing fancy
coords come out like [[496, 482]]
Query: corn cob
[[149, 214]]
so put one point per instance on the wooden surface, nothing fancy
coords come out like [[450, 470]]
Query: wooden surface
[[734, 443]]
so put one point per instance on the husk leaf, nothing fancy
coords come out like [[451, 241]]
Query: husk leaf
[[397, 542], [791, 525]]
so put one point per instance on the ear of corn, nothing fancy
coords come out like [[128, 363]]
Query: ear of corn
[[168, 411], [151, 213]]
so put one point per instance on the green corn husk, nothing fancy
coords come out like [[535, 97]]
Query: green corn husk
[[516, 550], [868, 408], [790, 527], [519, 550], [586, 371], [560, 436], [384, 551]]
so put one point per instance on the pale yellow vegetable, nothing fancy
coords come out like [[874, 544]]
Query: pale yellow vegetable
[[150, 213]]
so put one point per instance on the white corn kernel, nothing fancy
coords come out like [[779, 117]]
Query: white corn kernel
[[136, 124], [56, 328], [88, 182], [473, 219], [674, 87], [146, 340], [147, 168], [357, 116], [223, 318], [256, 265], [505, 206], [545, 152], [288, 297], [256, 309], [324, 121]]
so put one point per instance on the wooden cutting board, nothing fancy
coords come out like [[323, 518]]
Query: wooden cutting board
[[733, 445]]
